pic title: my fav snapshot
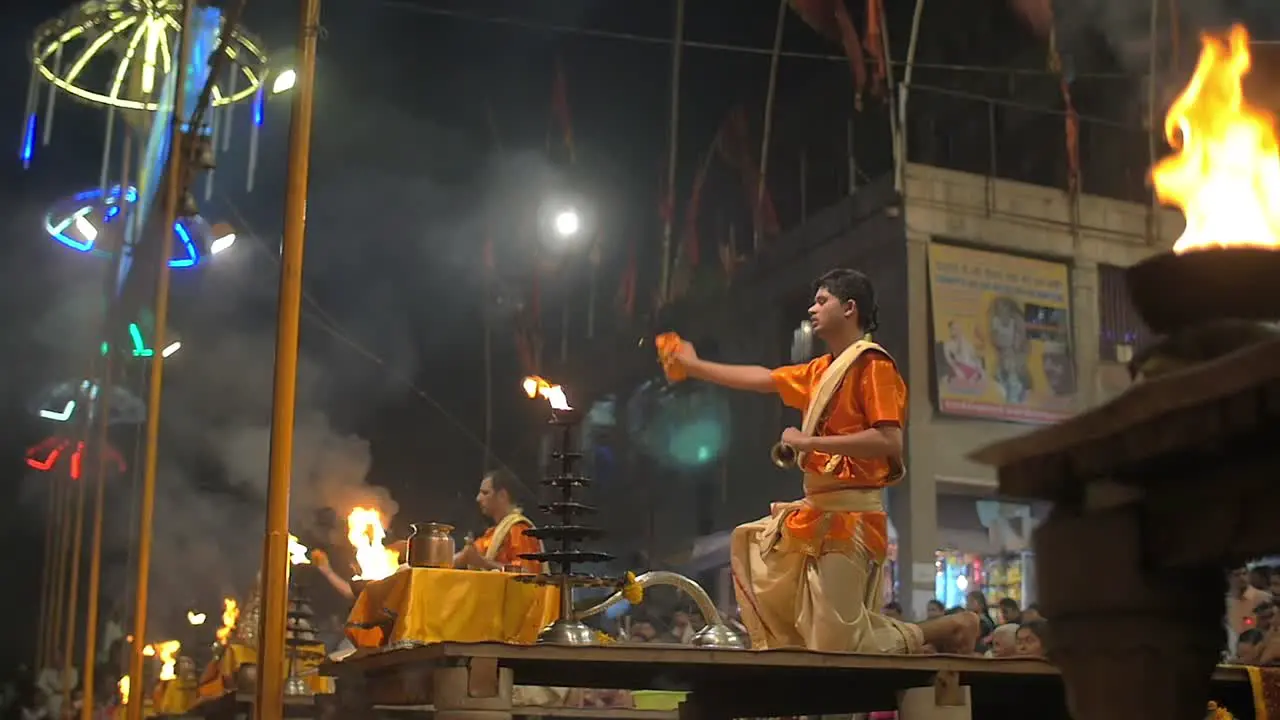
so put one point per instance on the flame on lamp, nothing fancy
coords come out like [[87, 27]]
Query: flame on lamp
[[1225, 175], [122, 685], [297, 552], [230, 614], [367, 535], [167, 651], [554, 394], [195, 618]]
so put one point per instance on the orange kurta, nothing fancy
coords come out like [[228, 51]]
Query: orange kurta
[[873, 394], [517, 543]]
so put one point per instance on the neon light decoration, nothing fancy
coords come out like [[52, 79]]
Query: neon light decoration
[[65, 401], [131, 46], [76, 222], [56, 452]]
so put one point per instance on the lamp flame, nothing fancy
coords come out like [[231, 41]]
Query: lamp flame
[[1225, 175], [554, 394], [122, 685], [230, 614], [167, 651], [297, 552], [195, 618], [367, 535]]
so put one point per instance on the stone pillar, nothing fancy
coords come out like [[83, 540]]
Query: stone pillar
[[1132, 642], [914, 503], [1085, 331]]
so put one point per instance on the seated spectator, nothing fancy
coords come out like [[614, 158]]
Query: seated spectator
[[934, 609], [1263, 616], [1031, 613], [1033, 638], [893, 610], [1004, 641], [1010, 613], [1249, 647]]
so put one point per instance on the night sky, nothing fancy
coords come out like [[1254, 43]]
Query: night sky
[[431, 133]]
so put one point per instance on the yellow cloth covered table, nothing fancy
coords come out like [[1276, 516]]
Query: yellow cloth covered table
[[220, 676], [171, 698], [431, 605]]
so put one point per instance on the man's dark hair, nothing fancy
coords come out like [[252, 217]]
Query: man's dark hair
[[1253, 636], [503, 480], [1009, 605], [846, 285]]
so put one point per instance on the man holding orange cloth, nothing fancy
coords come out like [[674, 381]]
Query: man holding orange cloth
[[809, 575]]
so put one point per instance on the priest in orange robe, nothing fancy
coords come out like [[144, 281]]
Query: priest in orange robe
[[809, 574], [507, 539]]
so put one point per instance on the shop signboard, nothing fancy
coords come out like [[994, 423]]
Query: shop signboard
[[1002, 335]]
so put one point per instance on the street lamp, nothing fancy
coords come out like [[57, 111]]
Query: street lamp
[[284, 81], [567, 223]]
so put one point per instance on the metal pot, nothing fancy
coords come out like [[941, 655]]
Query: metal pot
[[431, 545]]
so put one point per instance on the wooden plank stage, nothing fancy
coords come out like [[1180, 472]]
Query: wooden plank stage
[[724, 683]]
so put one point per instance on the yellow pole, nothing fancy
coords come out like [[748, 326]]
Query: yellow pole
[[73, 591], [175, 174], [275, 550], [95, 554], [46, 577]]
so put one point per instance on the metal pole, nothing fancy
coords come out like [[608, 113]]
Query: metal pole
[[73, 592], [275, 551], [673, 151], [767, 133], [95, 554], [47, 575], [488, 374], [175, 175], [99, 446], [1153, 226], [901, 165], [64, 550]]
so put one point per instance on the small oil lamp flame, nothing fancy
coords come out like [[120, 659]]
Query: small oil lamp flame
[[195, 618], [297, 552], [230, 615], [554, 394], [123, 686]]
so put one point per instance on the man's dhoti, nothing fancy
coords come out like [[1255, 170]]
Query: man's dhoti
[[809, 575]]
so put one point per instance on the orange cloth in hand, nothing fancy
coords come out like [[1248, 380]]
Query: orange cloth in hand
[[667, 344]]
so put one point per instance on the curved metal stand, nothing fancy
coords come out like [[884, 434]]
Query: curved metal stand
[[715, 635]]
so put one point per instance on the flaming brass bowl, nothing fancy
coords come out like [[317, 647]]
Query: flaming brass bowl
[[1172, 292]]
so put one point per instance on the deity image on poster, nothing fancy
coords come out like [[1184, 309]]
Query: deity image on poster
[[1002, 336]]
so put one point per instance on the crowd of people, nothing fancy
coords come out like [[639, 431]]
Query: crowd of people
[[1253, 635], [1007, 630]]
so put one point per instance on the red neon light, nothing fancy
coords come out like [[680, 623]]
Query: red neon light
[[44, 456]]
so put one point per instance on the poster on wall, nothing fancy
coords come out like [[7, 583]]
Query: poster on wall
[[1002, 335]]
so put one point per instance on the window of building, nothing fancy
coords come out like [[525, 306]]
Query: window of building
[[1121, 329]]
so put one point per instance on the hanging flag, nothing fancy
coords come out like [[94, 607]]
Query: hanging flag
[[690, 246], [626, 299], [560, 115], [734, 145], [875, 43], [1071, 117], [830, 18]]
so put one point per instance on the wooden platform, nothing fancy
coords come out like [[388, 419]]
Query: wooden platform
[[729, 683]]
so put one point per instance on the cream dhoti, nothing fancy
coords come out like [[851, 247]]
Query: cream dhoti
[[809, 575]]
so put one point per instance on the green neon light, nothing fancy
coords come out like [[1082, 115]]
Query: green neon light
[[140, 348]]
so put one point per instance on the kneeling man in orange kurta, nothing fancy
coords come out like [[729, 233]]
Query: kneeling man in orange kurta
[[809, 575], [506, 540]]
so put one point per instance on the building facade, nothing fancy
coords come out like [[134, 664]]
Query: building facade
[[999, 301]]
